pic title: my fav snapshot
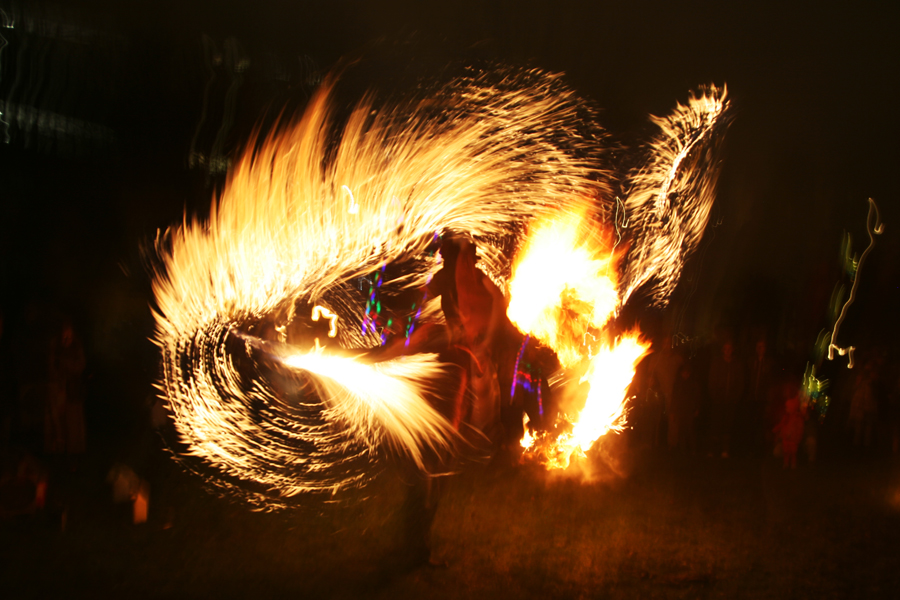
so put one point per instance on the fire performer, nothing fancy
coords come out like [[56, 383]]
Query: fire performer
[[491, 340], [482, 345], [315, 217]]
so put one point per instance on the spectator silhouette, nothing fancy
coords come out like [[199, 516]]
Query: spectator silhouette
[[64, 431], [726, 385], [789, 431]]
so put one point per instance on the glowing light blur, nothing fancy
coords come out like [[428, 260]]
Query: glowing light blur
[[562, 293], [390, 392], [469, 157], [874, 227], [562, 274], [563, 290], [609, 374], [671, 195], [489, 155], [321, 311]]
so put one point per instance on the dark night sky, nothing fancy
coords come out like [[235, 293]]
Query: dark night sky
[[815, 130]]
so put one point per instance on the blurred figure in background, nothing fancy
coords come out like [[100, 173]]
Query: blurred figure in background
[[864, 406], [23, 484], [685, 405], [789, 430], [665, 370], [726, 386], [759, 386], [64, 415]]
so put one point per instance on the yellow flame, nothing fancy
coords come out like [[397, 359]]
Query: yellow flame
[[562, 292], [561, 287], [306, 213], [470, 156], [609, 374], [387, 392], [528, 439], [564, 288]]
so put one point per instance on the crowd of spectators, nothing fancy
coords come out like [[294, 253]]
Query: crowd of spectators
[[725, 397], [731, 397], [42, 396]]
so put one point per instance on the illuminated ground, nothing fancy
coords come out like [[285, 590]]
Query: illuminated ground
[[686, 527]]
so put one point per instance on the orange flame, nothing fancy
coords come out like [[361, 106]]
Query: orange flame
[[562, 287], [563, 291]]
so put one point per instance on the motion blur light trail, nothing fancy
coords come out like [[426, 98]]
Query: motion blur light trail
[[335, 219], [670, 195], [874, 226], [813, 390]]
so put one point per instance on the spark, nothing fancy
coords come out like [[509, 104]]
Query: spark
[[489, 155], [672, 193], [354, 207], [272, 421], [620, 220]]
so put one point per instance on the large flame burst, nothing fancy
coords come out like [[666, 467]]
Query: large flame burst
[[272, 313], [563, 294]]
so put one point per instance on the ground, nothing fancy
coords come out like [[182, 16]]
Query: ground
[[673, 527]]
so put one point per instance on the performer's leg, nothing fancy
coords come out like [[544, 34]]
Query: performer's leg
[[418, 513]]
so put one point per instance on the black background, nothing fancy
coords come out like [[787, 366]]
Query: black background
[[815, 133]]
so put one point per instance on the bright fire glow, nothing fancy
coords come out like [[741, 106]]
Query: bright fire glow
[[323, 203], [321, 311], [609, 374], [306, 215], [562, 293], [561, 288], [389, 391]]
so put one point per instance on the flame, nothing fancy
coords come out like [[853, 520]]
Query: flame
[[563, 272], [389, 393], [323, 203], [562, 292], [306, 214], [609, 374], [566, 287]]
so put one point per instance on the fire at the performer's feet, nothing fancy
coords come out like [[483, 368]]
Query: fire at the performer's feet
[[566, 288], [608, 374], [299, 330], [563, 293]]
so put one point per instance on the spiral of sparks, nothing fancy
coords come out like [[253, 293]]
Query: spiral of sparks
[[326, 203]]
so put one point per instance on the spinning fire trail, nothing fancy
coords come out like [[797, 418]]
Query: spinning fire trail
[[279, 318]]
